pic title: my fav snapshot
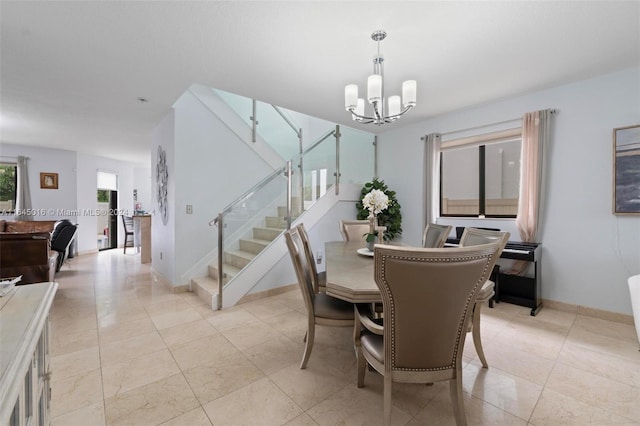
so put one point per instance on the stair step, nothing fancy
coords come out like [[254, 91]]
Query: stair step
[[253, 245], [230, 271], [276, 222], [206, 288], [238, 258], [295, 211], [264, 233]]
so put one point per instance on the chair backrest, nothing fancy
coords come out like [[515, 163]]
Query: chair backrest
[[127, 221], [354, 230], [311, 261], [296, 251], [477, 236], [428, 295], [434, 235]]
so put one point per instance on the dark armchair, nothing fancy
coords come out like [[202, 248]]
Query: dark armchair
[[63, 234]]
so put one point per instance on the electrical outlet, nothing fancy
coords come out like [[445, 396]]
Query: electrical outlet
[[319, 257], [160, 255], [189, 209]]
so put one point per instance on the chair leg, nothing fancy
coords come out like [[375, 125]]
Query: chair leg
[[308, 346], [455, 389], [387, 399], [475, 329]]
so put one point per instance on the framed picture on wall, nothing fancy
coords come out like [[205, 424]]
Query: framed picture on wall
[[626, 170], [49, 180]]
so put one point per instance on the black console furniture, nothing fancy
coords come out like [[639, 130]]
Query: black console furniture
[[516, 289]]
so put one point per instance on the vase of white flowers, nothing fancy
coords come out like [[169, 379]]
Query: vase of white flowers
[[375, 202]]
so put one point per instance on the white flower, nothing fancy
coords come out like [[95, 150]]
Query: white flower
[[375, 201]]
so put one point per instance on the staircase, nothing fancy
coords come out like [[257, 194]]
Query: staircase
[[235, 260]]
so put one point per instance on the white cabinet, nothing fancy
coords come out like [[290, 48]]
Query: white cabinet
[[25, 371]]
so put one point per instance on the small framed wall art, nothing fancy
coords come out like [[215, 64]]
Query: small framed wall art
[[626, 170], [49, 180]]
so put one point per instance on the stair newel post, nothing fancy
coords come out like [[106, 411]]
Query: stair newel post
[[289, 173], [337, 172], [220, 259], [301, 167]]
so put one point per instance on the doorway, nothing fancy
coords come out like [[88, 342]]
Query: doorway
[[107, 220]]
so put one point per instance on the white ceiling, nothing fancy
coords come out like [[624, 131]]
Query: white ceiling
[[71, 72]]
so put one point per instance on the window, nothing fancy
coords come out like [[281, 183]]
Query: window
[[480, 176], [8, 185]]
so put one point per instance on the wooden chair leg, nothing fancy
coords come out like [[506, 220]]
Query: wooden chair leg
[[475, 330], [308, 346], [387, 399], [455, 389]]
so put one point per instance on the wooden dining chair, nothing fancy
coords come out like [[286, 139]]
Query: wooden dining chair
[[354, 230], [473, 237], [321, 308], [428, 295], [318, 279], [434, 235], [127, 222]]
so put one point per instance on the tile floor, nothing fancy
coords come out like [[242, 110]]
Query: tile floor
[[126, 351]]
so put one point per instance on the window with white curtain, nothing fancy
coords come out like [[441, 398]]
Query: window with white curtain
[[8, 185], [480, 175]]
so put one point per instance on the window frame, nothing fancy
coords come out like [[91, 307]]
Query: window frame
[[15, 185], [480, 142]]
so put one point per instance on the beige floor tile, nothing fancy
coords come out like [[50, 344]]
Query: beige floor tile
[[302, 420], [275, 354], [202, 351], [130, 348], [516, 360], [602, 364], [173, 304], [125, 330], [123, 376], [439, 411], [610, 329], [226, 374], [555, 408], [292, 324], [187, 332], [229, 318], [355, 406], [72, 393], [91, 415], [510, 393], [260, 403], [409, 397], [63, 342], [151, 404], [616, 397], [598, 342], [172, 319], [246, 336], [266, 308], [195, 417], [73, 363], [307, 387]]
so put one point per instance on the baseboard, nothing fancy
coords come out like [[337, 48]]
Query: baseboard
[[588, 312], [159, 278], [267, 293], [82, 253]]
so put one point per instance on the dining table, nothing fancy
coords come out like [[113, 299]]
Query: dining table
[[350, 272]]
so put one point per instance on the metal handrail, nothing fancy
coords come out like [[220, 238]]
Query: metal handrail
[[287, 170], [249, 193], [285, 118]]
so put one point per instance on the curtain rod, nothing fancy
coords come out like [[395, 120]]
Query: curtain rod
[[553, 111], [12, 157]]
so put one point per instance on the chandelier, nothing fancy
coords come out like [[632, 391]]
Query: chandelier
[[375, 94]]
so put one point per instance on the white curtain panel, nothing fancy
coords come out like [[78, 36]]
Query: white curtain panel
[[432, 167]]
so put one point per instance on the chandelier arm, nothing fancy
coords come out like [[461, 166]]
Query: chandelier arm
[[396, 116], [362, 117]]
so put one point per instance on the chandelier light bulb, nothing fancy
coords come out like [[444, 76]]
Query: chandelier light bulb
[[350, 96], [385, 110]]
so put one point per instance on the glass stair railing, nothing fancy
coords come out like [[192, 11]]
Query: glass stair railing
[[253, 221]]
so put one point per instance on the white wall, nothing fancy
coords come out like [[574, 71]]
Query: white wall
[[588, 252], [76, 196], [142, 183], [52, 202], [163, 236]]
